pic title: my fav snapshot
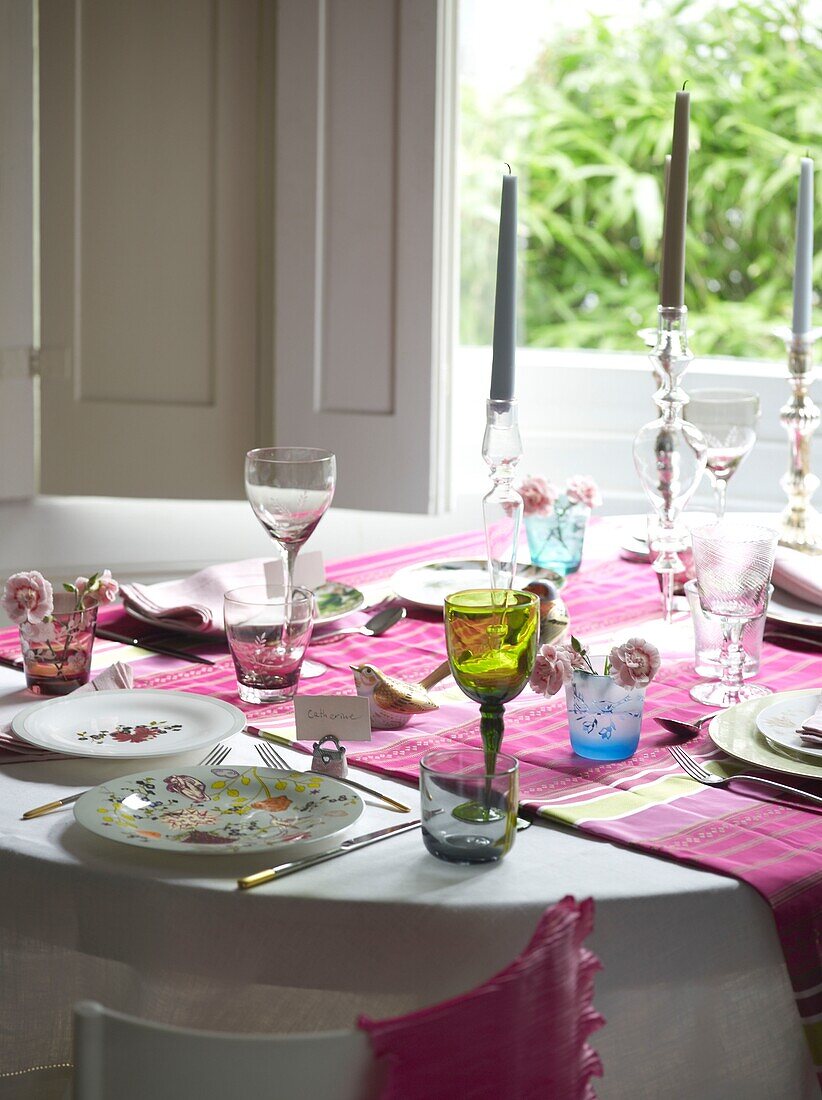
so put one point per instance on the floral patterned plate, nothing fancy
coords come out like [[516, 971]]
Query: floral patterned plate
[[218, 810], [121, 724], [335, 600]]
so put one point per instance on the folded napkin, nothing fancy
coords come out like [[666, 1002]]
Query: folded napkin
[[811, 729], [798, 573], [15, 751], [194, 604]]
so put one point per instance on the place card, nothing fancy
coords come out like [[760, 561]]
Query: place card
[[309, 571], [348, 717]]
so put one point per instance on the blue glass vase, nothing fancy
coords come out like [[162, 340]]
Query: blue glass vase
[[556, 541], [604, 719]]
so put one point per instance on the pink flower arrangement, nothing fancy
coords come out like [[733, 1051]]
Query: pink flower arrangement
[[631, 665], [101, 587], [634, 663], [28, 597], [582, 489], [538, 496]]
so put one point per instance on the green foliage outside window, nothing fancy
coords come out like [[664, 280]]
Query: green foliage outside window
[[587, 131]]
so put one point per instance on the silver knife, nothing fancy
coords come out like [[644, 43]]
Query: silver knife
[[311, 861]]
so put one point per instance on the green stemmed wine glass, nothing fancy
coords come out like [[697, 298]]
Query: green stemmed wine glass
[[492, 635]]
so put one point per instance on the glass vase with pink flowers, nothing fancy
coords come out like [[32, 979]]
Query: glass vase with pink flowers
[[605, 694], [555, 521], [57, 628]]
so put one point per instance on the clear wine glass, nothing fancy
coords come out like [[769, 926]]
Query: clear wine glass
[[290, 489], [733, 564], [727, 419]]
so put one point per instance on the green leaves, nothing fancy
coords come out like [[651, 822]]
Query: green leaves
[[587, 131]]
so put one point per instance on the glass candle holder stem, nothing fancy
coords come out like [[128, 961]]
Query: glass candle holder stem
[[799, 416], [502, 505]]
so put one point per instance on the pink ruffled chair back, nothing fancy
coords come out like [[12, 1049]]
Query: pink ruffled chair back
[[522, 1033]]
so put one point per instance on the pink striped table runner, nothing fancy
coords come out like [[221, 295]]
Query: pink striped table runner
[[645, 803]]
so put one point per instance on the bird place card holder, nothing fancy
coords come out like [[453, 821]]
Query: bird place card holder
[[331, 718]]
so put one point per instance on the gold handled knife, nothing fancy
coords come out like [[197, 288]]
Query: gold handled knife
[[38, 811], [347, 846]]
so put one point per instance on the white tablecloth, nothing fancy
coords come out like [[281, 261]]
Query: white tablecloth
[[694, 989]]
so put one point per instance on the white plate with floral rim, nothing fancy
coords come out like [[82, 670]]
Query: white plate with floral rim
[[219, 810], [128, 724], [779, 722]]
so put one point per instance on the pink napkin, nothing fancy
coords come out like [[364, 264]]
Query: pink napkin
[[811, 729], [521, 1033], [15, 751], [798, 573], [194, 604]]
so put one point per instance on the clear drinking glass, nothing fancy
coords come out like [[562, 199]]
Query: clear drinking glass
[[727, 419], [733, 563], [268, 629], [290, 489], [452, 779], [708, 639]]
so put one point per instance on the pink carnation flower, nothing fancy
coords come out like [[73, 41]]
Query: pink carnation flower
[[28, 597], [106, 587], [574, 659], [538, 496], [552, 669], [634, 663], [584, 490], [81, 584]]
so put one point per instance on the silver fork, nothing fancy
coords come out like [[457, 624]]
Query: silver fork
[[697, 772], [215, 756], [272, 759]]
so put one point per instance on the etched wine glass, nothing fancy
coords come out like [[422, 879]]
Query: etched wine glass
[[290, 489], [733, 564], [727, 419], [491, 635]]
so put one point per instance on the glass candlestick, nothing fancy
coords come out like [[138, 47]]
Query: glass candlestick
[[669, 453], [502, 505], [801, 523]]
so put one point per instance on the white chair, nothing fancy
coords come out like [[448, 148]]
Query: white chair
[[122, 1057]]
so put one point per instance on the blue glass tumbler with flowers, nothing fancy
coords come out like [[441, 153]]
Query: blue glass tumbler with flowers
[[604, 694], [555, 521]]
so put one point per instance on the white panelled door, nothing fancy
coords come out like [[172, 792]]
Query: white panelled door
[[363, 251], [16, 250], [150, 172]]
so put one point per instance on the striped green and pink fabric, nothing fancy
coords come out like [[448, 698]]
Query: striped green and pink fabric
[[646, 803]]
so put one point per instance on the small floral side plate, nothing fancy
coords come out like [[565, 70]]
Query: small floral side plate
[[335, 599], [220, 810], [779, 722], [126, 724]]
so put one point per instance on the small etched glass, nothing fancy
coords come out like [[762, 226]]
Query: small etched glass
[[733, 564], [452, 780], [268, 630], [57, 652], [604, 719]]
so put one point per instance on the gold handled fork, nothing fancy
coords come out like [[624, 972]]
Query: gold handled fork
[[216, 756]]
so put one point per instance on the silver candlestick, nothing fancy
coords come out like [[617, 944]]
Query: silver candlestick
[[799, 416], [669, 453], [502, 505]]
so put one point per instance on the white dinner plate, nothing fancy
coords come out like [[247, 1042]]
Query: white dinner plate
[[779, 722], [428, 583], [735, 731], [128, 724], [791, 611], [219, 810]]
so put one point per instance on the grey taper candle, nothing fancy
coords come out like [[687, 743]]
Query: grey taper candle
[[803, 265], [672, 271], [667, 177], [505, 306]]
